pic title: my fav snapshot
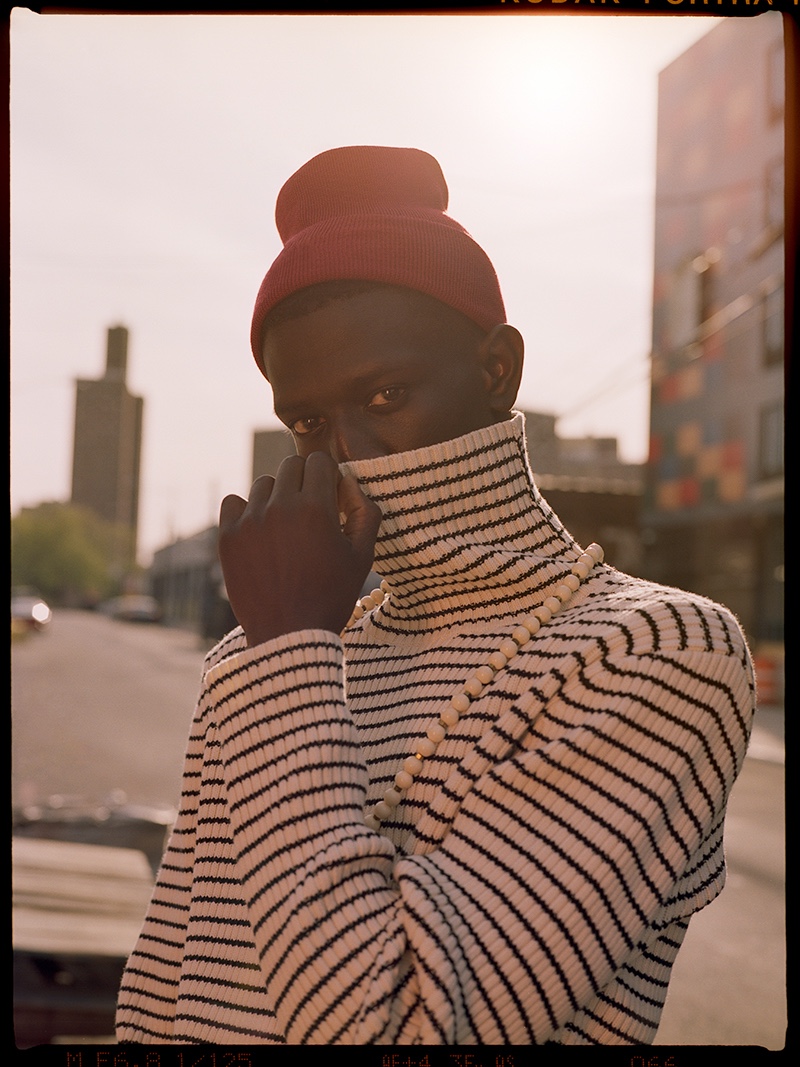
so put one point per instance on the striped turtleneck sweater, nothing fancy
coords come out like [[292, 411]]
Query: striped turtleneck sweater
[[537, 878]]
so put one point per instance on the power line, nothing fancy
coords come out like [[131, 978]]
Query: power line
[[610, 385]]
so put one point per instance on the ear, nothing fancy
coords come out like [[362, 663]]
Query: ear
[[501, 354]]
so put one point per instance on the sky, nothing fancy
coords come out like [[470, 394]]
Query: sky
[[146, 156]]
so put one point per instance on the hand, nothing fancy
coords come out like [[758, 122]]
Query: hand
[[289, 561]]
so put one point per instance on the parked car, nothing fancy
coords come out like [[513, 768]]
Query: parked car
[[81, 881], [29, 612], [134, 607]]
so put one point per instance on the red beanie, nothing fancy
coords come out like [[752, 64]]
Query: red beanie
[[377, 214]]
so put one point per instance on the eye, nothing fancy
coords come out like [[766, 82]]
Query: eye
[[304, 426], [385, 397]]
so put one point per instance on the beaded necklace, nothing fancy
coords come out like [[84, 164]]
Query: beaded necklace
[[475, 684]]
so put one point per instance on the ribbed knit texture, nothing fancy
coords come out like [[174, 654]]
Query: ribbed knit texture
[[377, 214], [538, 877]]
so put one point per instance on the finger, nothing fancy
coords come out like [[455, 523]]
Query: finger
[[349, 494], [361, 515], [321, 477], [288, 478], [233, 507], [231, 510], [261, 489]]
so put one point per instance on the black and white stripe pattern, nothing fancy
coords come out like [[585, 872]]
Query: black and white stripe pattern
[[538, 877]]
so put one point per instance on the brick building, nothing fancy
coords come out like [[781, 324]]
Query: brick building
[[714, 503]]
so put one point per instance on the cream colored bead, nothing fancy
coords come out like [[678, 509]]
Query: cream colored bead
[[474, 686], [509, 648], [385, 588], [460, 702], [403, 780], [436, 733], [450, 715]]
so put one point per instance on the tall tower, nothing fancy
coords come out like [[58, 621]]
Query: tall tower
[[107, 445]]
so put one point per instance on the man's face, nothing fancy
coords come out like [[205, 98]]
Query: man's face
[[378, 373]]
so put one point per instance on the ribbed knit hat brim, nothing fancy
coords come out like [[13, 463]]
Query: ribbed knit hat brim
[[369, 213]]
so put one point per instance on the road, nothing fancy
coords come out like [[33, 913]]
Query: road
[[101, 707]]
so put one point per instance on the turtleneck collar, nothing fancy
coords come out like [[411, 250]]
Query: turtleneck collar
[[466, 537]]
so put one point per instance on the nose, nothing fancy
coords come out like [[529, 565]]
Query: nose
[[349, 440]]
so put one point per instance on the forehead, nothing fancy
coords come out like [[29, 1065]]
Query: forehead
[[380, 327]]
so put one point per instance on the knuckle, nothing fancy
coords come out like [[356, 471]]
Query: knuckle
[[262, 487], [323, 459], [289, 468]]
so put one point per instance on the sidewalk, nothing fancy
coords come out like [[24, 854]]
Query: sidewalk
[[767, 740], [728, 986]]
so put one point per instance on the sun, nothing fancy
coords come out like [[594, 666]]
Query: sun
[[551, 84]]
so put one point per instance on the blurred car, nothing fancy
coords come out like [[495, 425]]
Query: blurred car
[[29, 612], [82, 877], [134, 607]]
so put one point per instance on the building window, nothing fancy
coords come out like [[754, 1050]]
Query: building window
[[705, 266], [684, 306], [690, 299], [774, 195], [776, 81], [772, 327], [771, 441]]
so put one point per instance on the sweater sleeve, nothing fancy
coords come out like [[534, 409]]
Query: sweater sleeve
[[568, 851]]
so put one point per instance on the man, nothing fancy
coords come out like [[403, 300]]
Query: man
[[486, 812]]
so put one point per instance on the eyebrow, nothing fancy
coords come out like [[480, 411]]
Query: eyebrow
[[362, 381]]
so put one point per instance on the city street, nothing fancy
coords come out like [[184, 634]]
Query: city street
[[102, 708]]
